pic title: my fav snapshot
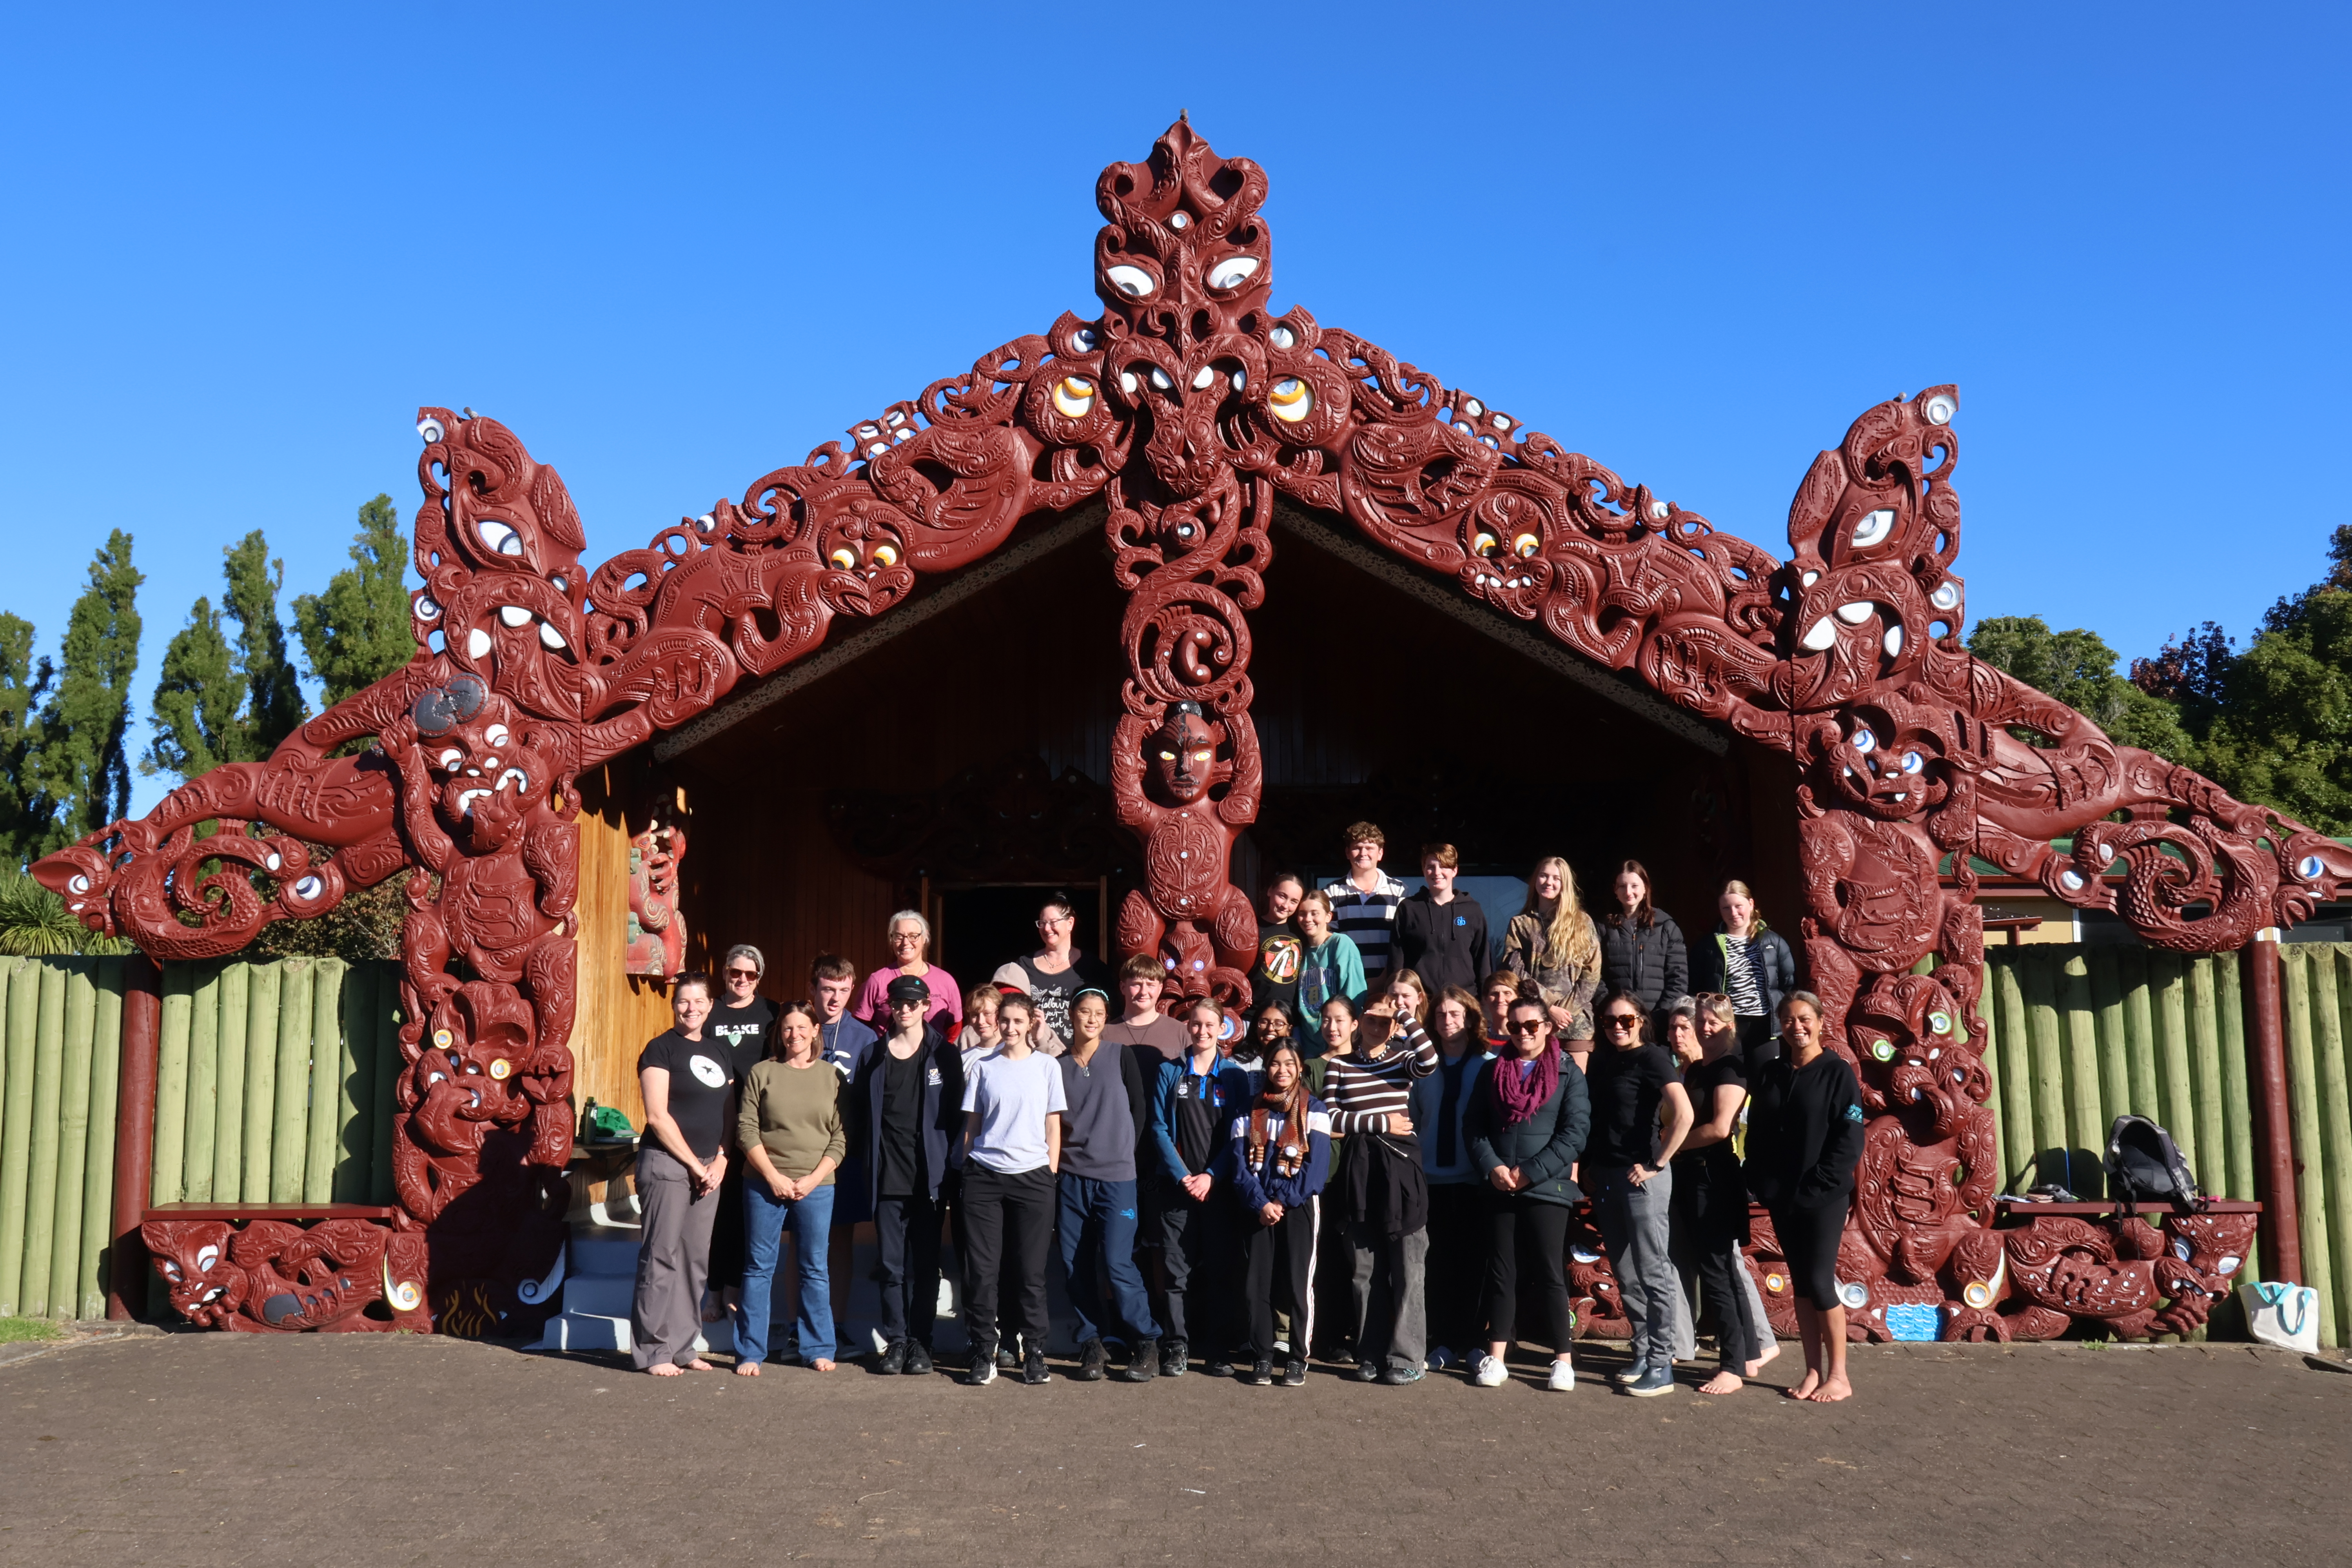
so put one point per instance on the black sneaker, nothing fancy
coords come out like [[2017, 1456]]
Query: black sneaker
[[983, 1370], [1293, 1374], [1221, 1367], [918, 1359], [1260, 1375], [1143, 1362], [1032, 1367], [1399, 1376], [1368, 1372], [1175, 1358], [1092, 1362], [892, 1361]]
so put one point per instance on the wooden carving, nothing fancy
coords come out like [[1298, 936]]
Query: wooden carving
[[656, 924], [1188, 405]]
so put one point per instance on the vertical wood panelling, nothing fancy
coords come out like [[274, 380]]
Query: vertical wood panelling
[[168, 1178], [73, 1136], [98, 1166], [49, 1096], [2310, 1137], [16, 1123]]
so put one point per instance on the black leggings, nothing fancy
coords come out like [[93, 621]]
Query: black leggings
[[1809, 1241], [1278, 1268], [1514, 1224]]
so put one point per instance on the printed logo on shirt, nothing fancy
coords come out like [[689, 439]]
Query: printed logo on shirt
[[931, 1077], [1854, 1113], [1462, 920], [1184, 1089], [1278, 958], [712, 1075]]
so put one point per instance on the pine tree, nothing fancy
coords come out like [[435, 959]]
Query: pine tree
[[358, 631], [83, 757], [196, 700], [25, 810], [220, 702], [274, 707]]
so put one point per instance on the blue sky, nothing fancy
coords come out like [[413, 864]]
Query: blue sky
[[674, 248]]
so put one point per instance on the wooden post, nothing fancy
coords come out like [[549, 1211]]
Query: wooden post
[[134, 1135], [2274, 1163]]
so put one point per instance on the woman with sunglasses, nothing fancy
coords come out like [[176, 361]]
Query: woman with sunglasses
[[789, 1129], [1530, 1113], [1628, 1168], [910, 939], [745, 1023]]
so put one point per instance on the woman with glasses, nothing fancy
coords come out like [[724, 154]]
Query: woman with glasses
[[910, 939], [1053, 976], [744, 1022], [1551, 943], [1628, 1168], [1752, 964], [1530, 1113], [1804, 1139], [789, 1129], [1710, 1197]]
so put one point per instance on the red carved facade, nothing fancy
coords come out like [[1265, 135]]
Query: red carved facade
[[1187, 407]]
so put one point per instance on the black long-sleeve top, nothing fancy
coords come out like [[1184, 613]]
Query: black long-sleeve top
[[1445, 944], [1649, 961], [1804, 1132]]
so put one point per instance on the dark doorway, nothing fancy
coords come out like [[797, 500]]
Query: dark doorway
[[981, 928]]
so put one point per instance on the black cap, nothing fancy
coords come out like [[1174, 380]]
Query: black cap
[[909, 988]]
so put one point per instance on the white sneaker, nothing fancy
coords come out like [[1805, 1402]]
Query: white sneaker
[[1491, 1373], [1563, 1375]]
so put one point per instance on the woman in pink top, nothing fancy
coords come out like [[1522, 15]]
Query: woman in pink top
[[910, 937]]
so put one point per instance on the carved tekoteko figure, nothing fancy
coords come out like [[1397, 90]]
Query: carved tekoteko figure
[[1188, 913], [656, 925]]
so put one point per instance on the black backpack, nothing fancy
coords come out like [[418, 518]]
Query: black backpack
[[2145, 1166]]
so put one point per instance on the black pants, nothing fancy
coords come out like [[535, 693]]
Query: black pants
[[1198, 1247], [1760, 1042], [1516, 1226], [1710, 1226], [1006, 1213], [906, 1233], [1278, 1270], [1809, 1241], [1457, 1262], [727, 1230]]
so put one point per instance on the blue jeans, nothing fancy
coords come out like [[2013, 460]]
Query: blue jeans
[[764, 1218], [1098, 1224]]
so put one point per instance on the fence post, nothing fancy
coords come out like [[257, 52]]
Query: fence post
[[134, 1134], [2274, 1166]]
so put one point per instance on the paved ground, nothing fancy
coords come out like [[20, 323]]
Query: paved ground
[[195, 1449]]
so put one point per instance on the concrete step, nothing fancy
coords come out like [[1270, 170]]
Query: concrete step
[[608, 1253], [576, 1331], [600, 1295]]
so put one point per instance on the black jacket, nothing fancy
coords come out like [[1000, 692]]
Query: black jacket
[[1804, 1132], [1445, 944], [942, 1109], [1545, 1145], [1775, 965], [1648, 961]]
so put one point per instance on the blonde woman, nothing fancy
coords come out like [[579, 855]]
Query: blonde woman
[[1552, 944], [1751, 964]]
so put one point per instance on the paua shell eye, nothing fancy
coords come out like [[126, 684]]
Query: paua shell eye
[[501, 539], [1132, 281], [885, 555], [844, 558], [1873, 527], [1233, 272], [1074, 397], [1483, 543], [1527, 544], [1291, 399]]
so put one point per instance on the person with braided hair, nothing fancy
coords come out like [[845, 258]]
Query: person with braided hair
[[1278, 1157]]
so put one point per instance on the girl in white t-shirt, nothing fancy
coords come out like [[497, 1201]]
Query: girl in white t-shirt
[[1012, 1101]]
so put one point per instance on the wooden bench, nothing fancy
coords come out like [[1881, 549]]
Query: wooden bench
[[2014, 1209]]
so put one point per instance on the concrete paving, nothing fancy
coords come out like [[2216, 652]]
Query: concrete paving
[[196, 1449]]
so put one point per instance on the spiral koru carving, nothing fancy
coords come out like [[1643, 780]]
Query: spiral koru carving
[[1187, 407]]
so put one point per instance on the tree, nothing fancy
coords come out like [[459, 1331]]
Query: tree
[[358, 631], [216, 703], [25, 810], [2078, 669], [82, 747]]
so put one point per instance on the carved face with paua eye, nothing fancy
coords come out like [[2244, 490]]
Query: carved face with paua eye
[[1182, 755], [1874, 760], [489, 779]]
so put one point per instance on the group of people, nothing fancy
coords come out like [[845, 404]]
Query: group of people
[[1360, 1166]]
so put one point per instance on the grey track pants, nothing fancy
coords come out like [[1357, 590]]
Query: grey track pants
[[1636, 1227], [673, 1260]]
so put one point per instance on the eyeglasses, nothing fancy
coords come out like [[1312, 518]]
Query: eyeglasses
[[742, 974], [1623, 1020], [1527, 1027]]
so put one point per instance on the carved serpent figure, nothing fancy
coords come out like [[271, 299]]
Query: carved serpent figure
[[1188, 405]]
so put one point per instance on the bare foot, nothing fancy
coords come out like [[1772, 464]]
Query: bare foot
[[819, 1366], [747, 1369], [1723, 1382], [1805, 1389], [1831, 1391], [1757, 1365], [698, 1364], [667, 1369]]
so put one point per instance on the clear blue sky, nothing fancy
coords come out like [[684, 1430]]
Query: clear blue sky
[[674, 251]]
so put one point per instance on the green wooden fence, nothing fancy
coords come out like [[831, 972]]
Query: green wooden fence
[[273, 1085], [2083, 1035]]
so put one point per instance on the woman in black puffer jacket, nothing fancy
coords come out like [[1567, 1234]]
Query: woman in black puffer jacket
[[1642, 951], [1752, 966]]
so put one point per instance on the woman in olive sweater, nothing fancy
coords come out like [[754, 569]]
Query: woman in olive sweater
[[1528, 1116], [790, 1132]]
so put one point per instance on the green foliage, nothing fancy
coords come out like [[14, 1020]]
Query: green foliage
[[216, 703], [2078, 669], [358, 631], [25, 810], [365, 925], [82, 757], [15, 1331], [34, 922]]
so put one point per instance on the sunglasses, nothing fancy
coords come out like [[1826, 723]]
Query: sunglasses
[[742, 974], [1527, 1027], [1622, 1020]]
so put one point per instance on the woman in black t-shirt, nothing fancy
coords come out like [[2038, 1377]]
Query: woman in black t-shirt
[[745, 1023], [1804, 1140], [1710, 1206], [688, 1077], [1628, 1170]]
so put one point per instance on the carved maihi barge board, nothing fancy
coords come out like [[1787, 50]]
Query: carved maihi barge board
[[1186, 408]]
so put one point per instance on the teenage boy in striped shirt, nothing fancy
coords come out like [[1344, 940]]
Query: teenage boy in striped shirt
[[1364, 902]]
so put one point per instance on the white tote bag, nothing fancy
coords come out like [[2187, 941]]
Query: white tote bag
[[2284, 1315]]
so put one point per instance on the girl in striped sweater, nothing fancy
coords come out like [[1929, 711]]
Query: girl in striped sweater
[[1386, 1188]]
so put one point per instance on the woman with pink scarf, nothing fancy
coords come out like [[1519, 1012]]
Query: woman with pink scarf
[[1528, 1115]]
